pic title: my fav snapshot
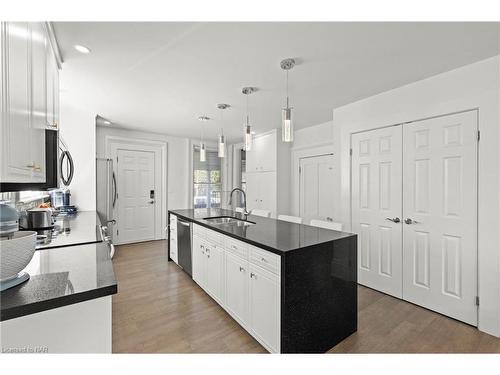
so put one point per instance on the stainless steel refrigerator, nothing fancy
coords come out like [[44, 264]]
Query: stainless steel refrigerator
[[106, 199]]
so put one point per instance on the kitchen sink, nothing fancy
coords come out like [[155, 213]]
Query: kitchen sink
[[228, 220]]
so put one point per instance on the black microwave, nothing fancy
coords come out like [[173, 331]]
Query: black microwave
[[51, 168]]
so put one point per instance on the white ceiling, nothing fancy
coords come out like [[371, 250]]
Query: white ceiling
[[160, 77]]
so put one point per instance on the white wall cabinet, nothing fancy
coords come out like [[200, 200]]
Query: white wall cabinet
[[267, 174], [27, 60], [243, 279]]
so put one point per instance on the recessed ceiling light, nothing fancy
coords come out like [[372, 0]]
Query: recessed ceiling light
[[82, 49], [107, 122]]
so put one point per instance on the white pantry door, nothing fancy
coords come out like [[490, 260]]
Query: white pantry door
[[136, 210], [440, 200], [376, 207], [316, 188]]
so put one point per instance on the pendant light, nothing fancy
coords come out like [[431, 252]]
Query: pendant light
[[286, 113], [248, 129], [203, 151], [222, 139]]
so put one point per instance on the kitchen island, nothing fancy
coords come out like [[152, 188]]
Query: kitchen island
[[291, 286], [65, 306]]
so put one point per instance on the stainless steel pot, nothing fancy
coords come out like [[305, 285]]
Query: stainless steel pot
[[39, 218]]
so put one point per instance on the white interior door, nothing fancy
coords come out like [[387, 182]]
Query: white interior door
[[316, 188], [376, 200], [136, 210], [440, 199]]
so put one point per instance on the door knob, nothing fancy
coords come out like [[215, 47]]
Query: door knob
[[395, 220], [410, 221], [152, 201]]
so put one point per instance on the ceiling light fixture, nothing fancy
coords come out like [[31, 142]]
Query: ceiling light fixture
[[203, 150], [222, 139], [248, 129], [81, 49], [286, 113]]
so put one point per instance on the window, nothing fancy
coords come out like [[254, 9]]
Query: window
[[206, 180]]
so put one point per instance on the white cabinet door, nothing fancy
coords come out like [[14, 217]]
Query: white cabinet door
[[52, 90], [262, 156], [376, 198], [440, 199], [199, 262], [16, 157], [215, 271], [317, 180], [265, 307], [268, 192], [236, 290], [39, 99], [267, 152], [253, 190]]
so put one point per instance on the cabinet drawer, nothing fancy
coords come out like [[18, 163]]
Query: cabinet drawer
[[199, 231], [215, 237], [265, 259], [236, 247]]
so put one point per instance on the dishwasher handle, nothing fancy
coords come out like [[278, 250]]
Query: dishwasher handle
[[185, 223]]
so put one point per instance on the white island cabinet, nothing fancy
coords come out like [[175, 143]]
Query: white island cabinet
[[243, 279]]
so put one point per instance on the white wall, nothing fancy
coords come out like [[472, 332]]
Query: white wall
[[473, 86], [178, 161], [78, 132]]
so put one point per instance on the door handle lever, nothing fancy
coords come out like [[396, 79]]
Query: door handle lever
[[395, 220]]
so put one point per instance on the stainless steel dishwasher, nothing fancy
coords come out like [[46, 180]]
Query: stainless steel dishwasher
[[184, 251]]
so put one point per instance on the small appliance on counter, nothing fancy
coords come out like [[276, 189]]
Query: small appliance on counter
[[60, 199], [16, 249], [37, 219]]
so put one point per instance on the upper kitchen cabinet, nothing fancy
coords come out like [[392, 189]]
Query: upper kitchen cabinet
[[267, 174], [30, 99]]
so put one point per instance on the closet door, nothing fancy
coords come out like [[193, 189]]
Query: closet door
[[439, 200], [376, 207]]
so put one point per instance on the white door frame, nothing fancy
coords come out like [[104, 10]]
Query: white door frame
[[477, 181], [298, 153], [113, 143]]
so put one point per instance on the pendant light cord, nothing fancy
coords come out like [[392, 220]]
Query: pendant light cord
[[287, 105], [247, 108]]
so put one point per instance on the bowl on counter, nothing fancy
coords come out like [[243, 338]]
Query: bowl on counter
[[16, 251]]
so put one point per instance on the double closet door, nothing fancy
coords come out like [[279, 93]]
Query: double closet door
[[414, 208]]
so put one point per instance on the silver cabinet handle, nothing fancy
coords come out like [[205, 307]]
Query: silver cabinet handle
[[411, 221], [395, 220], [242, 269], [263, 259], [186, 224], [252, 275], [151, 201]]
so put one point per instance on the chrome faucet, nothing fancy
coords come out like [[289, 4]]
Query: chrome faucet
[[244, 199]]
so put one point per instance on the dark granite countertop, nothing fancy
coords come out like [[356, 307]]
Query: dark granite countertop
[[60, 277], [79, 229], [277, 236]]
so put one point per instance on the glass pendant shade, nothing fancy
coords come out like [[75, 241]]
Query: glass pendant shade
[[203, 152], [286, 125], [222, 146], [248, 138]]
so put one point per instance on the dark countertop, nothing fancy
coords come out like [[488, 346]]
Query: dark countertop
[[60, 277], [71, 230], [277, 236]]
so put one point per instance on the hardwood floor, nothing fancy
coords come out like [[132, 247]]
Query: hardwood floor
[[160, 309]]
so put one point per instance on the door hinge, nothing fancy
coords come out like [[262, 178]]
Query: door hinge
[[117, 159], [478, 135], [300, 169], [477, 300], [350, 151], [117, 232]]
